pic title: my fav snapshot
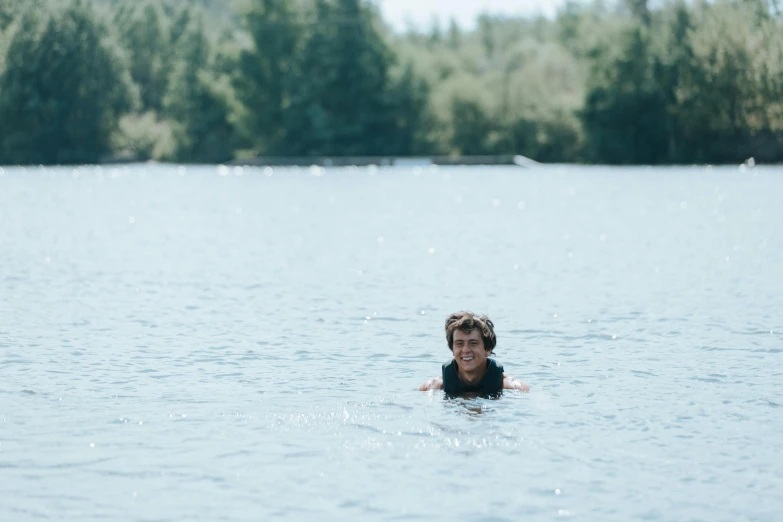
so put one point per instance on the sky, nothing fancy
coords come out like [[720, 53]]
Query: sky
[[421, 12]]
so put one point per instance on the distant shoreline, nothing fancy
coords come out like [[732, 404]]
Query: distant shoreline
[[385, 161]]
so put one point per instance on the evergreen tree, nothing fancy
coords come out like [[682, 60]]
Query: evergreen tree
[[485, 28], [720, 109], [343, 100], [7, 14], [625, 112], [414, 121], [674, 71], [199, 103], [143, 31], [455, 35], [472, 128], [63, 89], [266, 72]]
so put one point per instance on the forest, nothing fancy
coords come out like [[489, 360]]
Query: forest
[[207, 81]]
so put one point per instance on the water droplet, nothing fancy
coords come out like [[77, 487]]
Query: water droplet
[[557, 492], [223, 170], [135, 494], [570, 254], [728, 258], [742, 168], [92, 444], [316, 171], [602, 237], [516, 267], [423, 312], [380, 240], [238, 171], [457, 199], [48, 259], [589, 320], [495, 203], [182, 170], [554, 315], [131, 220], [521, 205], [1, 171], [614, 337], [431, 250], [417, 171], [268, 171], [141, 422]]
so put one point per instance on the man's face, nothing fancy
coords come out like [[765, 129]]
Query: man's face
[[468, 350]]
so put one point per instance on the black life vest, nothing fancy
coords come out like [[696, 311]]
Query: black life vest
[[490, 384]]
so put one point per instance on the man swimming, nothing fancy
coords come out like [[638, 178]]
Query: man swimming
[[471, 339]]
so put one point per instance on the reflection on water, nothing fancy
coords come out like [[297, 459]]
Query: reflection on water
[[238, 344]]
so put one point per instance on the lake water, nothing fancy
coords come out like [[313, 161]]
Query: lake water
[[210, 343]]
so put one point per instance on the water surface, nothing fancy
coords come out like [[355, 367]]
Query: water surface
[[210, 343]]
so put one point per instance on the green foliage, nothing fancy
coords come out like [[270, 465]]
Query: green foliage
[[326, 88], [508, 88], [143, 34], [627, 82], [199, 103], [625, 114], [729, 100], [7, 14], [344, 92], [143, 137], [266, 72], [415, 125], [691, 84], [67, 111]]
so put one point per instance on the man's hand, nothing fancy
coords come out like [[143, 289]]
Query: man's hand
[[510, 383], [432, 384]]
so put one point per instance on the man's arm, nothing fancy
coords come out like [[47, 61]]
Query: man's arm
[[432, 384], [510, 383]]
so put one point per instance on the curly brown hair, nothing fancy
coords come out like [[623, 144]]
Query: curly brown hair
[[467, 322]]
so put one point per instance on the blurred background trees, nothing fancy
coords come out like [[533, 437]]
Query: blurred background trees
[[208, 81]]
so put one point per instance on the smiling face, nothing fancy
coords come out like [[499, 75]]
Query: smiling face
[[469, 351]]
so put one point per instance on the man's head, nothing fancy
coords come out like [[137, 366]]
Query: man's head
[[467, 322]]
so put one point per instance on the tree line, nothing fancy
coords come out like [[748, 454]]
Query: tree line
[[204, 81]]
